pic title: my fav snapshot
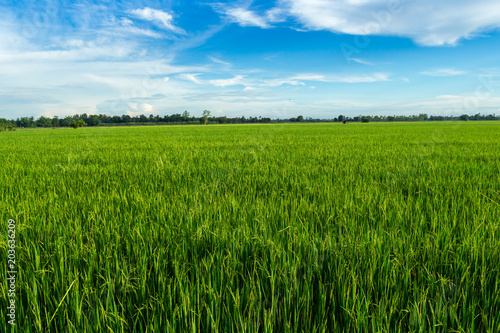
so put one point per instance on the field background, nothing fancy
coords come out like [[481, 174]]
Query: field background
[[381, 227]]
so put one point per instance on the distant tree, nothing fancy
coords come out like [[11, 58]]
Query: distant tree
[[44, 122], [77, 124], [55, 121], [7, 125], [185, 115], [66, 122], [341, 118], [464, 117], [300, 119], [93, 120], [365, 119], [104, 118], [206, 114], [423, 117], [177, 118]]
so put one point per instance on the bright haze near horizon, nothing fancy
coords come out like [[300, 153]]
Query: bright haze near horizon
[[278, 59]]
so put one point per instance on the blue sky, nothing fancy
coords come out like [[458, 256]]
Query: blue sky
[[278, 59]]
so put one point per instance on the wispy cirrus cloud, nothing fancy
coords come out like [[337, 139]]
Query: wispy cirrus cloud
[[361, 61], [377, 77], [190, 77], [219, 61], [79, 51], [247, 18], [280, 82], [126, 26], [158, 17], [299, 80], [443, 72], [234, 81], [345, 78]]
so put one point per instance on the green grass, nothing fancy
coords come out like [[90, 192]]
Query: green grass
[[254, 228]]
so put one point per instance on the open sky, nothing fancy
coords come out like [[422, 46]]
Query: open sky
[[278, 59]]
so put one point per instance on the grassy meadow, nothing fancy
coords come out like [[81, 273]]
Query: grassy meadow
[[379, 227]]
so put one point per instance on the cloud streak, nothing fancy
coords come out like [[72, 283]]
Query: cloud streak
[[159, 18], [247, 18], [298, 80], [361, 61], [443, 72], [235, 81], [190, 77], [427, 22]]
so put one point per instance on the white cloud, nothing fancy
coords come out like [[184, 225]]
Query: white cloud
[[190, 77], [137, 109], [247, 18], [310, 77], [218, 61], [377, 77], [158, 17], [443, 72], [78, 75], [127, 26], [361, 61], [447, 97], [427, 22], [276, 83], [276, 15], [89, 51], [297, 80], [237, 80], [75, 43]]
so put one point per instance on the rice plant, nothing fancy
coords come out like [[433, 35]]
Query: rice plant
[[389, 227]]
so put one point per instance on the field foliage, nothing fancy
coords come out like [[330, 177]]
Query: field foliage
[[254, 228]]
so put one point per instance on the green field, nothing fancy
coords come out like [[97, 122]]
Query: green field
[[388, 227]]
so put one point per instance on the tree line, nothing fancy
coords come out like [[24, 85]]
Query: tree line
[[185, 118]]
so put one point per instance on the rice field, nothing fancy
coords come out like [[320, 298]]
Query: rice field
[[380, 227]]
